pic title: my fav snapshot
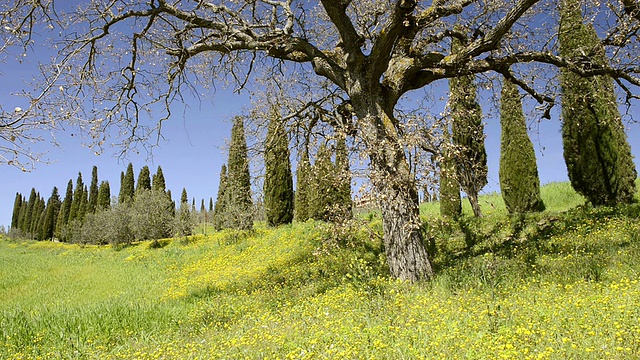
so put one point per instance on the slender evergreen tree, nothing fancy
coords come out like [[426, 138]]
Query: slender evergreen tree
[[323, 193], [468, 135], [344, 202], [450, 201], [65, 211], [37, 221], [15, 216], [127, 186], [596, 151], [184, 198], [144, 179], [93, 191], [210, 204], [27, 219], [51, 216], [303, 194], [219, 219], [278, 180], [104, 196], [76, 203], [519, 181], [239, 207], [158, 180]]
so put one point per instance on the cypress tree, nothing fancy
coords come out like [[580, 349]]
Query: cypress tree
[[158, 180], [210, 204], [450, 201], [51, 216], [37, 224], [144, 179], [239, 207], [65, 211], [74, 212], [84, 204], [219, 209], [344, 203], [23, 214], [278, 180], [104, 196], [27, 220], [15, 216], [127, 186], [303, 188], [519, 181], [173, 203], [468, 136], [596, 151], [93, 191], [184, 199], [323, 194]]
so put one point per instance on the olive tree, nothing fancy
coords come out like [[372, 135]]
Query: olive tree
[[136, 56]]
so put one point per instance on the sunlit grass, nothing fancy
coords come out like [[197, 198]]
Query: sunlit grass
[[562, 284]]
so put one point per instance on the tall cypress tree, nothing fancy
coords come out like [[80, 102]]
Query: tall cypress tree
[[37, 221], [65, 211], [104, 196], [468, 135], [15, 216], [450, 201], [239, 207], [184, 198], [144, 179], [344, 203], [303, 188], [323, 193], [158, 180], [27, 219], [51, 214], [519, 181], [93, 191], [278, 180], [219, 209], [596, 151], [127, 186], [74, 212]]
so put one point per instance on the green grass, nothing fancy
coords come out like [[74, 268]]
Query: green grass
[[561, 284]]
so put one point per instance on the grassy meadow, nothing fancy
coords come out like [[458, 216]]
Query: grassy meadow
[[556, 285]]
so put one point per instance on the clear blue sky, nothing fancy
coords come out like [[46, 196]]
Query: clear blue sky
[[193, 153]]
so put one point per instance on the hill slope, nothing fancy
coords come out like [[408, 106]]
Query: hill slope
[[551, 285]]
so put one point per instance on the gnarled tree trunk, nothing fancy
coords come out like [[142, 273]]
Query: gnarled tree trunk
[[396, 191]]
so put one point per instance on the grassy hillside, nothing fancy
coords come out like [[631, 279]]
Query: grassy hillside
[[562, 284]]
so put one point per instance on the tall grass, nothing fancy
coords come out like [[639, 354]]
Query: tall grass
[[561, 284]]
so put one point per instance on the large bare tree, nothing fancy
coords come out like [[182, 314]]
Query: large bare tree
[[118, 59]]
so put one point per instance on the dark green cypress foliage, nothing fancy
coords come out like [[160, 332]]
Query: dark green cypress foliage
[[27, 219], [37, 218], [93, 191], [144, 179], [84, 204], [24, 207], [184, 198], [239, 208], [219, 209], [51, 217], [596, 151], [65, 211], [15, 216], [450, 201], [158, 180], [127, 186], [104, 196], [344, 203], [278, 180], [323, 192], [121, 192], [210, 204], [468, 136], [303, 188], [519, 181], [173, 203], [74, 212]]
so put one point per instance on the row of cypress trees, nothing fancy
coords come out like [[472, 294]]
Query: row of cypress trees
[[323, 190], [597, 155]]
